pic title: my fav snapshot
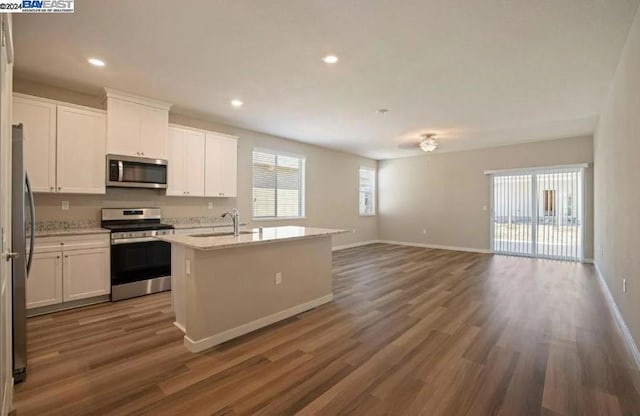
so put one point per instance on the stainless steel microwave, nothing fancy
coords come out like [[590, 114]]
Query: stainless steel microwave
[[136, 172]]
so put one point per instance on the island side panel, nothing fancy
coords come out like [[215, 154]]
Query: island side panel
[[232, 291], [179, 255]]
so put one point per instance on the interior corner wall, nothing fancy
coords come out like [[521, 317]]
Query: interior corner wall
[[439, 199], [617, 185]]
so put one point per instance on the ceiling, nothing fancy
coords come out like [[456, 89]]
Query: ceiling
[[479, 73]]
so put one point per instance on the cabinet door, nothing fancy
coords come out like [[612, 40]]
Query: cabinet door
[[220, 166], [81, 151], [229, 167], [44, 285], [194, 163], [123, 127], [213, 169], [85, 273], [154, 129], [39, 120], [176, 168]]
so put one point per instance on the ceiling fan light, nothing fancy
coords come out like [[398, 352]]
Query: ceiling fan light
[[429, 144]]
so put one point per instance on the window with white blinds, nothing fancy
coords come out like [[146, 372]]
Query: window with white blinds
[[367, 191], [278, 185]]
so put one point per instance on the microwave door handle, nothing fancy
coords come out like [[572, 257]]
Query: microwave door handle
[[32, 208], [120, 171]]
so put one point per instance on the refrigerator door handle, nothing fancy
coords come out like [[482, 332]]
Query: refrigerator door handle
[[32, 208]]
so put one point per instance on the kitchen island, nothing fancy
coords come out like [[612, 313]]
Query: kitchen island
[[224, 286]]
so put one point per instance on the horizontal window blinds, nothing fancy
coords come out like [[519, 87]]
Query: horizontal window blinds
[[278, 185]]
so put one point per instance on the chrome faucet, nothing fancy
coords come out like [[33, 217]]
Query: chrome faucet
[[235, 217]]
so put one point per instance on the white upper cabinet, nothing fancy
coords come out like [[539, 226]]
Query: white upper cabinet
[[202, 163], [154, 124], [221, 165], [123, 128], [194, 166], [64, 145], [186, 162], [39, 120], [81, 151], [136, 126]]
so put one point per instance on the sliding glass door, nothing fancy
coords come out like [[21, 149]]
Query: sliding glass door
[[538, 213]]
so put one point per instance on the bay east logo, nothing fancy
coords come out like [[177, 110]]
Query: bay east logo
[[47, 6]]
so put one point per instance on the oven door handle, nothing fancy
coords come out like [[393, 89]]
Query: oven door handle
[[133, 240]]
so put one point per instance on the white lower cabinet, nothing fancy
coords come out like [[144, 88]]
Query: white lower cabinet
[[44, 285], [67, 269], [85, 274]]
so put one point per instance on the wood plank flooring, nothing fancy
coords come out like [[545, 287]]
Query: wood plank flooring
[[412, 331]]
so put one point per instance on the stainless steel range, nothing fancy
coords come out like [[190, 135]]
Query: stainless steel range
[[140, 263]]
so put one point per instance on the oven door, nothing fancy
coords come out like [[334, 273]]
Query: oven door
[[139, 260], [136, 172]]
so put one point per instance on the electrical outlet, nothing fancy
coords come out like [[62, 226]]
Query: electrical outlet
[[65, 205], [278, 278], [187, 267], [484, 207], [424, 231], [354, 230], [624, 285], [210, 205], [601, 250]]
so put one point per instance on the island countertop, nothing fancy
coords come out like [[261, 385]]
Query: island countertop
[[249, 237]]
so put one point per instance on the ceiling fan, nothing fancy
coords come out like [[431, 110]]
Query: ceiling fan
[[428, 143]]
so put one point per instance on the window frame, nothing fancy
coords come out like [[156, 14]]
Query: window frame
[[303, 186], [374, 196]]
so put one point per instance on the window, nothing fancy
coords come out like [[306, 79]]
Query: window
[[367, 191], [278, 185]]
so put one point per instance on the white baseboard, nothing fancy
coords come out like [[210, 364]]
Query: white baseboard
[[589, 261], [628, 338], [180, 327], [353, 245], [436, 246], [206, 343]]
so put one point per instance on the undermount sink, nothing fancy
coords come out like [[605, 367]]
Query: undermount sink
[[225, 234]]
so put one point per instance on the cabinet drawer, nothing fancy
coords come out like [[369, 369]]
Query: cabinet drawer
[[75, 242]]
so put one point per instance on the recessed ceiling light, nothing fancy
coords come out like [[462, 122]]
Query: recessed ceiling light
[[330, 59], [236, 103], [96, 62], [382, 111]]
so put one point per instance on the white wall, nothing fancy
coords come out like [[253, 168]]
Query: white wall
[[617, 185], [444, 193]]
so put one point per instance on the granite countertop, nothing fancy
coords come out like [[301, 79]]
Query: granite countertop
[[251, 237], [187, 226]]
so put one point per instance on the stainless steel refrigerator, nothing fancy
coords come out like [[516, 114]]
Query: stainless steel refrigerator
[[21, 196]]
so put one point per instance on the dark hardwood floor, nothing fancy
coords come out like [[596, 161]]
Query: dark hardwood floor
[[411, 332]]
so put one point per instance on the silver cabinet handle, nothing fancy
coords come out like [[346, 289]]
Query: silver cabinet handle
[[51, 188], [10, 255]]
